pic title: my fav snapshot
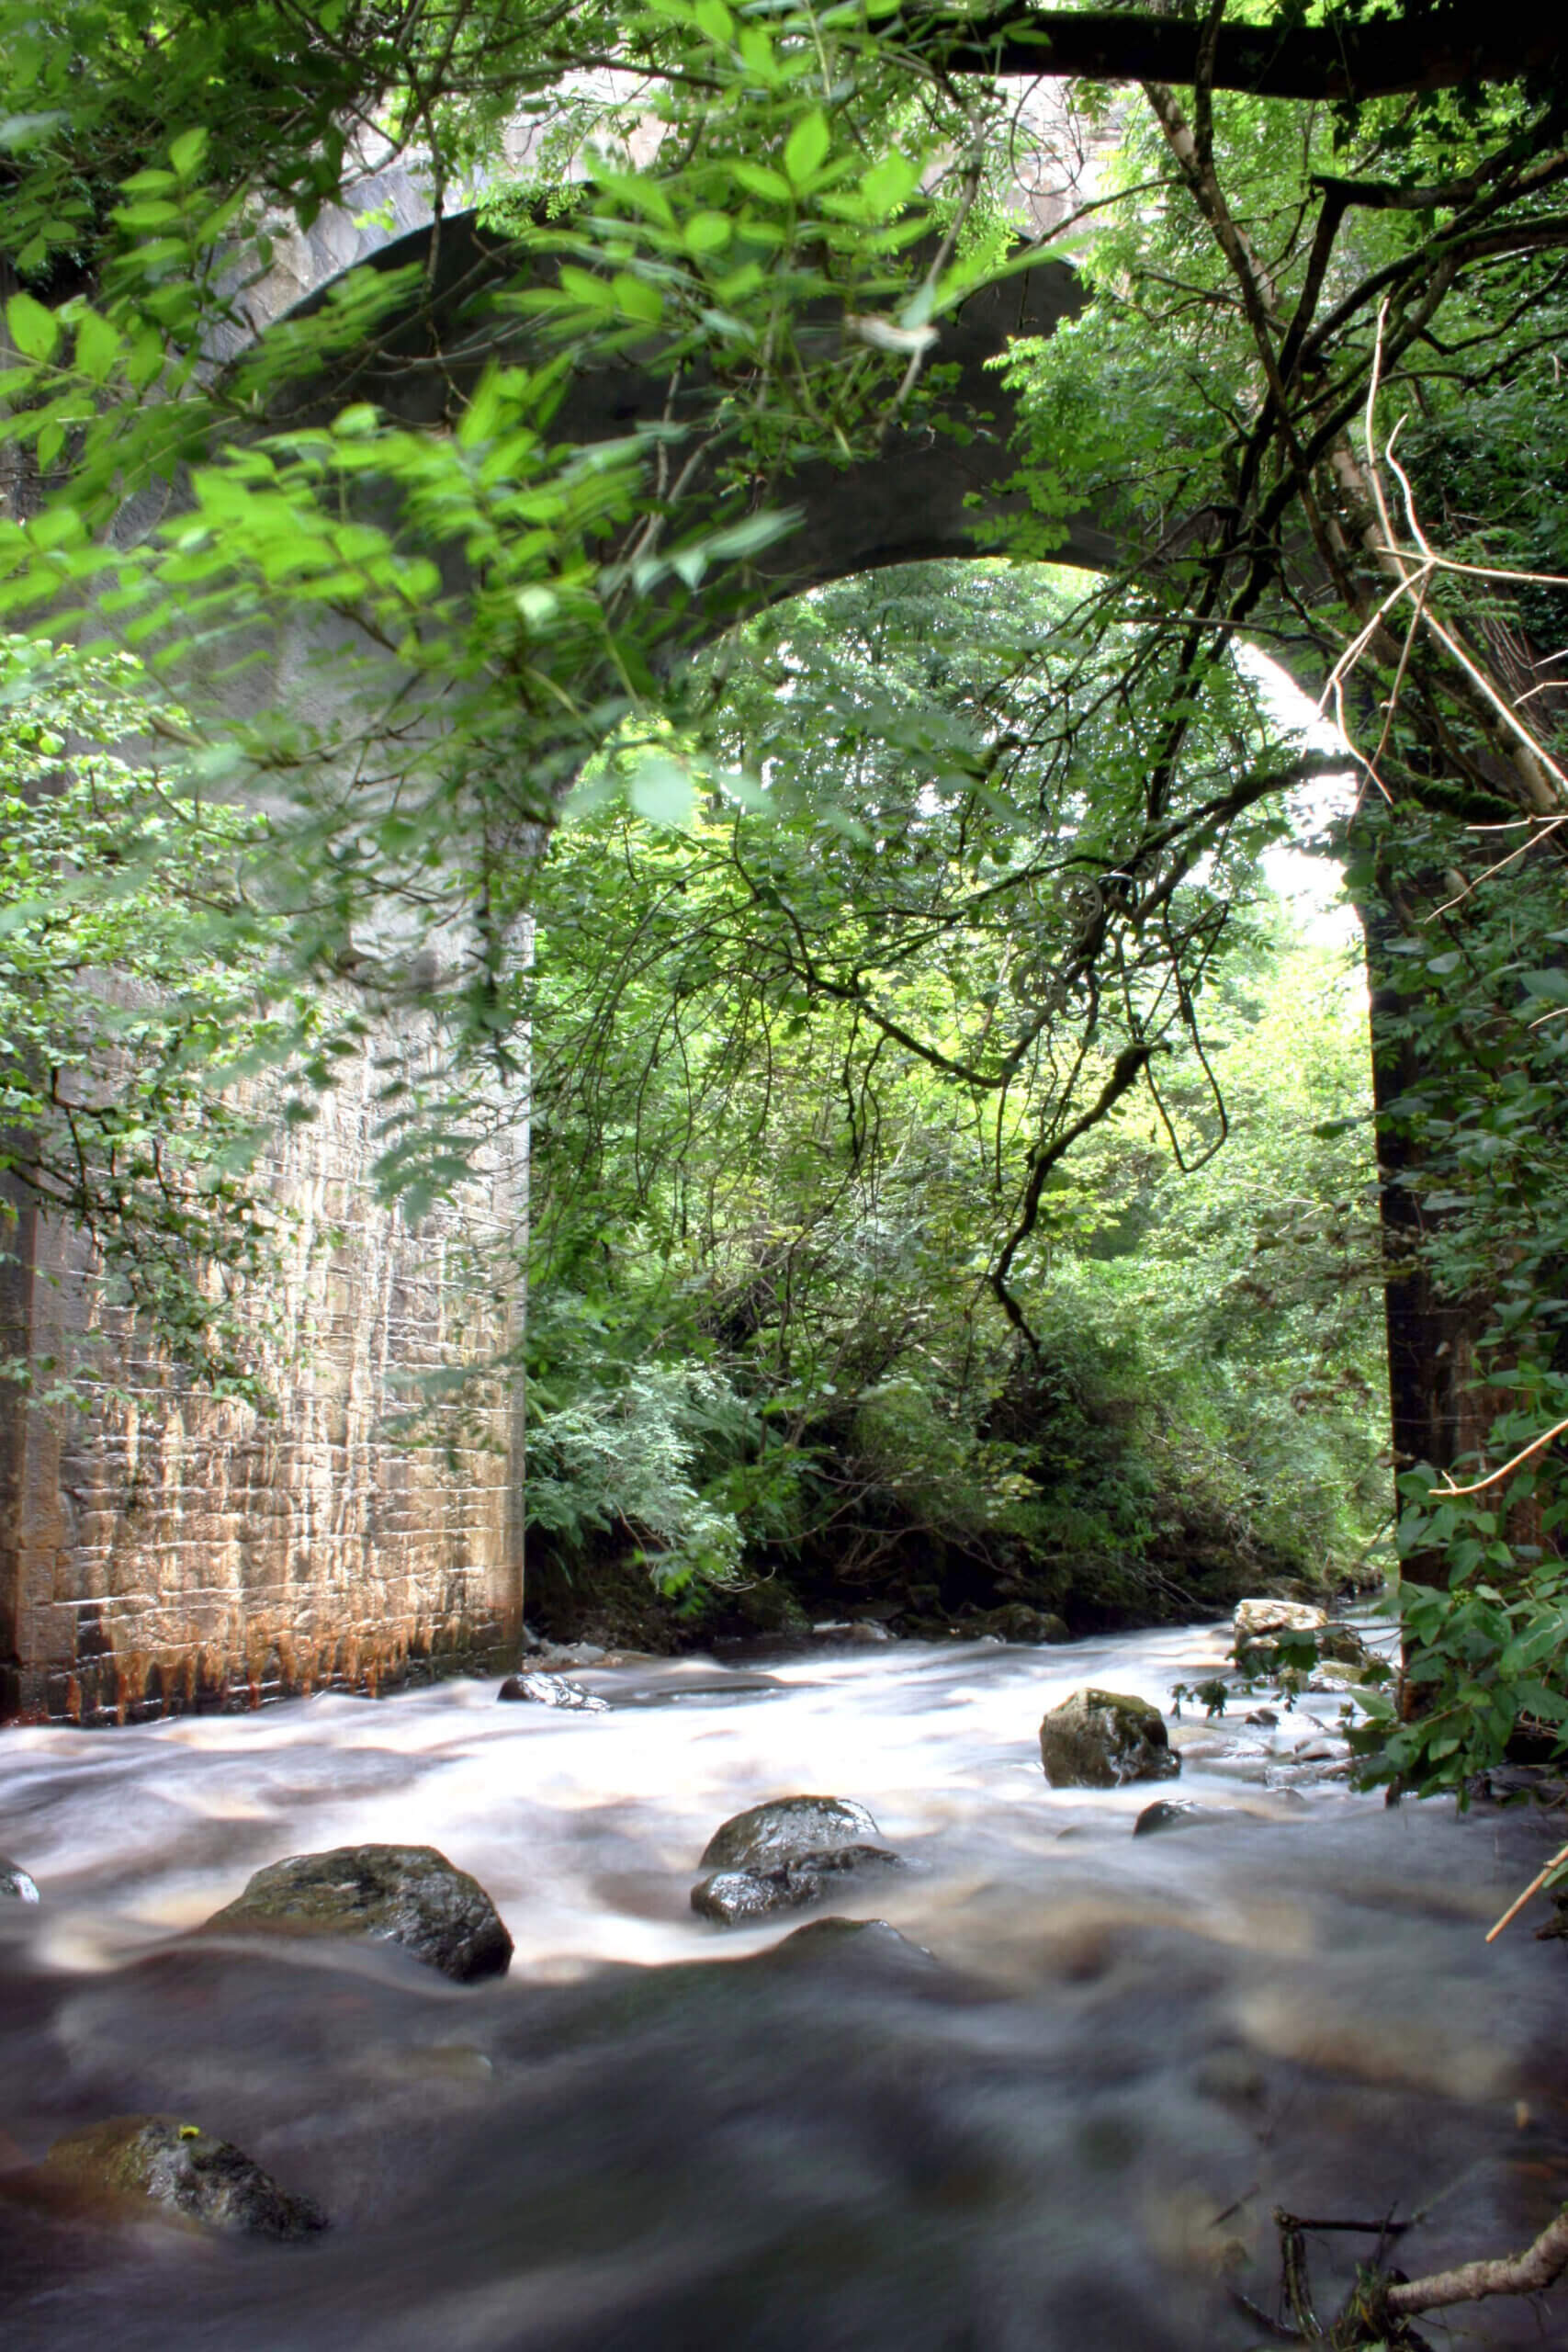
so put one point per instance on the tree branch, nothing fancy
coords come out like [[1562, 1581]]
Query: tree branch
[[1423, 49], [1511, 2274]]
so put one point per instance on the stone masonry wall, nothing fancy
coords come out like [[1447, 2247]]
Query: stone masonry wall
[[169, 1550]]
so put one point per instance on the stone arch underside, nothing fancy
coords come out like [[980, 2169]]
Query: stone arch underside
[[170, 1551]]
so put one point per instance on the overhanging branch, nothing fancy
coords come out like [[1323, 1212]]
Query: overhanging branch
[[1422, 48]]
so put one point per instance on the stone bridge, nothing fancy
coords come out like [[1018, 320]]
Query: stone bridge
[[169, 1551]]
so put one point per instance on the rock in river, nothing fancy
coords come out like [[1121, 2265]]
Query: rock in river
[[183, 2168], [552, 1691], [1100, 1739], [1258, 1623], [403, 1894], [1174, 1812], [15, 1882], [1256, 1620], [778, 1856]]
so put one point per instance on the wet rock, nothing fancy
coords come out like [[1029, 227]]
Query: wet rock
[[404, 1895], [778, 1856], [734, 1896], [1258, 1625], [1264, 1716], [1018, 1623], [863, 1633], [184, 2168], [552, 1691], [15, 1882], [1256, 1620], [1171, 1813], [785, 1829], [1101, 1739]]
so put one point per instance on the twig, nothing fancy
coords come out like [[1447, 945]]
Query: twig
[[1445, 1494], [1532, 1889]]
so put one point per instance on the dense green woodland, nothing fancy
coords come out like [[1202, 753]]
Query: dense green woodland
[[956, 1190], [763, 1332]]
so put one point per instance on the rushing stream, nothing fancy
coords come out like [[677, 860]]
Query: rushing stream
[[1064, 2127]]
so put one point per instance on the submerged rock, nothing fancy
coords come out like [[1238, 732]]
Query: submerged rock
[[552, 1691], [15, 1882], [403, 1894], [834, 1938], [182, 2168], [778, 1856], [1101, 1739], [1172, 1813]]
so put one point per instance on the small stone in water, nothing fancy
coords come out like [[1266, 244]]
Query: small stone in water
[[15, 1881], [184, 2168], [552, 1691], [1170, 1812]]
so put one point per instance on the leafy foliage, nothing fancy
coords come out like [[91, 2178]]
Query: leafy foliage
[[790, 1088], [130, 1015]]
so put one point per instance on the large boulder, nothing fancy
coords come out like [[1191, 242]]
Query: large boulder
[[778, 1856], [1101, 1739], [14, 1883], [403, 1894], [183, 2168]]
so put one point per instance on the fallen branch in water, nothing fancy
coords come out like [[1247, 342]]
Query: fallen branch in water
[[1382, 2302], [1541, 2265]]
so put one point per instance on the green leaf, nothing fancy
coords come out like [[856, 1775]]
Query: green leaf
[[636, 298], [707, 232], [806, 149], [97, 346], [757, 54], [585, 287], [889, 183], [714, 19], [34, 330], [188, 150], [758, 180]]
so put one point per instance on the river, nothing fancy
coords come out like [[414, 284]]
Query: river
[[1054, 2119]]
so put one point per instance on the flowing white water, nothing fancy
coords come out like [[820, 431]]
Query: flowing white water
[[1027, 2141]]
